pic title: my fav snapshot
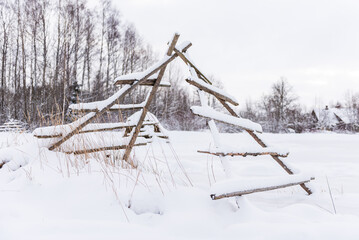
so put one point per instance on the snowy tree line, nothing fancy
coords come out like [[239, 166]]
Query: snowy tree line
[[56, 52], [48, 47]]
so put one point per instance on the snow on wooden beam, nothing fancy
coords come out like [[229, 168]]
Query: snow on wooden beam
[[217, 92], [244, 154], [55, 131], [86, 151], [94, 106], [132, 77], [99, 127], [236, 188], [210, 113], [88, 107], [144, 83]]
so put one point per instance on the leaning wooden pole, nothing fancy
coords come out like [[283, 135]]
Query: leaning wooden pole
[[130, 145]]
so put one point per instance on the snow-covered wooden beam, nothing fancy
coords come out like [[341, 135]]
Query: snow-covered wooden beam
[[132, 77], [210, 113], [89, 107], [265, 185], [55, 135], [217, 92], [99, 127], [148, 82], [55, 131], [244, 154], [146, 135], [86, 151]]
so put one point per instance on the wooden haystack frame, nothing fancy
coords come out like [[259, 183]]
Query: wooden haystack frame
[[152, 77]]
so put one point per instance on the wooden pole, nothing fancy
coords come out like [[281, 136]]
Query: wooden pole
[[147, 105]]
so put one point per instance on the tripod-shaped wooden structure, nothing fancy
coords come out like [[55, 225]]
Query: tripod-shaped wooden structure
[[152, 77]]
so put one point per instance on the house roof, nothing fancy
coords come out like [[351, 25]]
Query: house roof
[[332, 116]]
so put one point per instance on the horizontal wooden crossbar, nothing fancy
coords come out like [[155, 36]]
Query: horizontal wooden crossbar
[[244, 154], [148, 82], [210, 113], [114, 108], [249, 191], [85, 151], [48, 136], [101, 127]]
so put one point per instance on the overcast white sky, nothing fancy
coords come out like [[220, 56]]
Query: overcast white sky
[[250, 44]]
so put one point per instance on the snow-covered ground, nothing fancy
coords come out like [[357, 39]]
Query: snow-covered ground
[[50, 195]]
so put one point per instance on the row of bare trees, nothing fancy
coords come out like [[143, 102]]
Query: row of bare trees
[[47, 46], [281, 111]]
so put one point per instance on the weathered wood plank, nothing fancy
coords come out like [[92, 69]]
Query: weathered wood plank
[[249, 191], [244, 154]]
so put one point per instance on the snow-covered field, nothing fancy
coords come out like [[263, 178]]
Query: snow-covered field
[[58, 196]]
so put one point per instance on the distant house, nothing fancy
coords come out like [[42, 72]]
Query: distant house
[[333, 119]]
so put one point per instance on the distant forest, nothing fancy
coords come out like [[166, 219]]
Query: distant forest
[[58, 52]]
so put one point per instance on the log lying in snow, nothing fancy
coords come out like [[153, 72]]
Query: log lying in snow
[[217, 92], [210, 113], [266, 186], [244, 154]]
